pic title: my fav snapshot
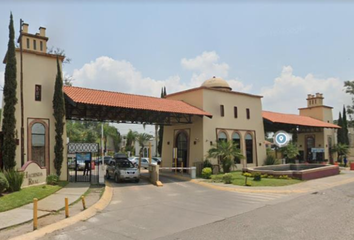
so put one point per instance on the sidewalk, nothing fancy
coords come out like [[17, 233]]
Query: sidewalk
[[52, 203], [319, 184]]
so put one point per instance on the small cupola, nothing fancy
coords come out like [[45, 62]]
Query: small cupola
[[217, 83]]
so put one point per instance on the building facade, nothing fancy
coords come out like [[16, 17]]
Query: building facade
[[235, 117], [324, 138], [39, 74]]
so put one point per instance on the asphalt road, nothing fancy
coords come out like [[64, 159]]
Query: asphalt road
[[321, 215], [143, 211]]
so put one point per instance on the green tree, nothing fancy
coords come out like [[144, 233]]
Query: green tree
[[131, 138], [340, 131], [111, 132], [225, 152], [10, 101], [345, 127], [142, 138], [290, 151], [341, 150], [59, 114], [159, 145]]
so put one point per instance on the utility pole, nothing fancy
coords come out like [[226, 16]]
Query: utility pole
[[21, 92]]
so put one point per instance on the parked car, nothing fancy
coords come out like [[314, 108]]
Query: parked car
[[157, 159], [106, 159], [71, 163], [144, 161], [122, 169], [80, 164], [134, 160]]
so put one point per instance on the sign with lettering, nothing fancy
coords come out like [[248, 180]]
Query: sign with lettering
[[33, 174]]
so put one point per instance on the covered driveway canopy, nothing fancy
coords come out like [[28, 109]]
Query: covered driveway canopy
[[99, 105], [292, 122]]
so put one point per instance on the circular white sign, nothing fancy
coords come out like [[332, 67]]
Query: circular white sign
[[281, 138]]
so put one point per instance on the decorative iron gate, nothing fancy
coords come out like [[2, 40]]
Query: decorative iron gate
[[82, 167]]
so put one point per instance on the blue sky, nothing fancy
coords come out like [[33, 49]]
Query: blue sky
[[282, 51]]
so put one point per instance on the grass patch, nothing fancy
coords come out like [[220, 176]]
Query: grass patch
[[238, 179], [26, 195]]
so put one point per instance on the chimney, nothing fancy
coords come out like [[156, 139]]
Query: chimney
[[25, 27], [42, 31], [314, 100]]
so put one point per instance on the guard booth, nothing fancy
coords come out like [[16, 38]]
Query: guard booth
[[82, 165]]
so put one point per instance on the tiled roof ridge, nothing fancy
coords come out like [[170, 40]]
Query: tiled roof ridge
[[109, 91], [214, 89]]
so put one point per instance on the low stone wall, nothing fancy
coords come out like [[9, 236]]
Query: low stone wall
[[311, 171]]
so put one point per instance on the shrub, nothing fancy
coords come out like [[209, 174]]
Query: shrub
[[207, 164], [4, 184], [283, 177], [257, 176], [227, 178], [270, 176], [270, 160], [15, 180], [206, 173], [52, 179], [264, 175], [247, 175]]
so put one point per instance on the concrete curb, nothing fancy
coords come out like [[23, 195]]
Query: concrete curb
[[84, 215], [250, 190]]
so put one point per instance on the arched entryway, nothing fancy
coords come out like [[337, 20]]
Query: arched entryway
[[237, 140], [182, 148], [310, 143], [249, 148]]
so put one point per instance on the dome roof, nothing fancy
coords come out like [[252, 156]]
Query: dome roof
[[216, 82]]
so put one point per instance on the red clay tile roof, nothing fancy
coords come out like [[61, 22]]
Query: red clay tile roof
[[123, 100], [296, 120]]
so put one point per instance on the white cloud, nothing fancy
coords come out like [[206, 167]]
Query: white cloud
[[119, 75], [289, 92], [206, 66]]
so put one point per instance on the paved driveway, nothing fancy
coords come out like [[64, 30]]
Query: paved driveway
[[143, 211]]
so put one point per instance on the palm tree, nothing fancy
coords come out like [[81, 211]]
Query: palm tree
[[111, 132], [142, 138], [341, 149], [131, 138], [225, 152]]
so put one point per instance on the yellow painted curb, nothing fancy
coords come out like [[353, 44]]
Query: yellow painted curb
[[159, 184], [84, 215]]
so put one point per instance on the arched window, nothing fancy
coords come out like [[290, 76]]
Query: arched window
[[222, 136], [182, 148], [236, 140], [38, 141], [249, 148]]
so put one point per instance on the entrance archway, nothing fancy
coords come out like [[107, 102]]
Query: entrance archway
[[310, 143], [182, 148], [249, 148]]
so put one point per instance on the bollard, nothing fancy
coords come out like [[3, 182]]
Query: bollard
[[66, 207], [83, 202], [35, 216], [182, 168], [175, 165]]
